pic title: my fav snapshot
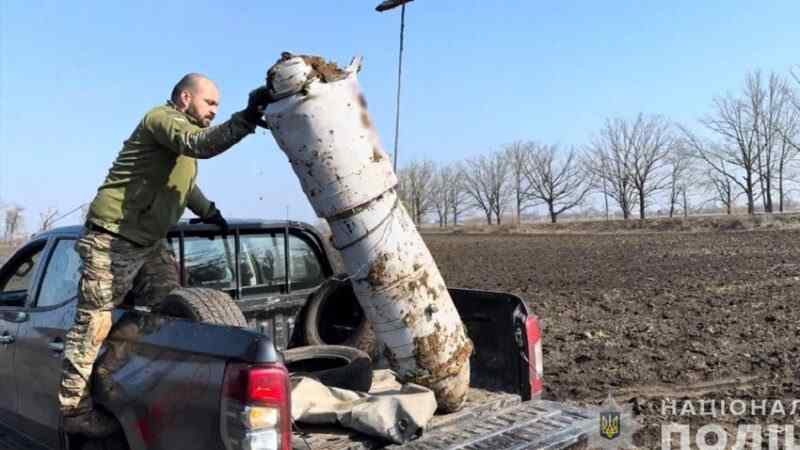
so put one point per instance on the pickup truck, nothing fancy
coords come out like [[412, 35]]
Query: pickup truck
[[174, 383]]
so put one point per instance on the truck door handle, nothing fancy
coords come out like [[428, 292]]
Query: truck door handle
[[6, 339], [56, 345]]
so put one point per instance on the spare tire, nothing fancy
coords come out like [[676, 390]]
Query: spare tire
[[202, 305], [334, 317], [333, 365]]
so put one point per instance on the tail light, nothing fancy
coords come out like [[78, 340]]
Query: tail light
[[256, 407], [536, 366]]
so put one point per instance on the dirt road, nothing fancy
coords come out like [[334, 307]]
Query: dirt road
[[652, 317]]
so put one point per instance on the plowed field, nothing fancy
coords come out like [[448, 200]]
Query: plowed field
[[651, 317]]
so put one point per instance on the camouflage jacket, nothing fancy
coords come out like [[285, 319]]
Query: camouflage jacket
[[152, 180]]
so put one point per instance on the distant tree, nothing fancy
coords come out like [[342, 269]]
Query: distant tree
[[748, 128], [769, 102], [519, 156], [790, 136], [442, 180], [416, 183], [680, 166], [609, 162], [651, 140], [734, 161], [558, 182], [458, 198], [787, 153], [486, 183], [720, 186], [14, 221], [47, 218]]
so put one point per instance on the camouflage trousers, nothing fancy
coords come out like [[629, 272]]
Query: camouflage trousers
[[111, 268]]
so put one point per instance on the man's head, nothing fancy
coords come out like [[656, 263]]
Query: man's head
[[197, 96]]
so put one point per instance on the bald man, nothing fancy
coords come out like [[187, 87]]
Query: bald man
[[122, 248]]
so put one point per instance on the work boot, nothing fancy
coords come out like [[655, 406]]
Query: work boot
[[94, 424]]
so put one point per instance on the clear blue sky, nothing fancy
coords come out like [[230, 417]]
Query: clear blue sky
[[76, 77]]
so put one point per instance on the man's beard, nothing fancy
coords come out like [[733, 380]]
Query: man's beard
[[203, 121]]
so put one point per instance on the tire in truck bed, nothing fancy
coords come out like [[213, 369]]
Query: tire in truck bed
[[203, 305]]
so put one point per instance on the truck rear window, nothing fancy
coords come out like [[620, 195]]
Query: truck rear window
[[209, 262], [262, 262]]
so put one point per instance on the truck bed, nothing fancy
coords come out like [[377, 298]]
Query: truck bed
[[497, 415], [489, 420]]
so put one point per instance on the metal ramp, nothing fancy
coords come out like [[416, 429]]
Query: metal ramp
[[536, 424]]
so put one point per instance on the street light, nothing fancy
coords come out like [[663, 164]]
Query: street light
[[385, 6]]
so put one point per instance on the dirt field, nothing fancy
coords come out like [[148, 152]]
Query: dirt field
[[653, 317]]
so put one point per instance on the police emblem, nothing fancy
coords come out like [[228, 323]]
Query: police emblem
[[615, 426], [610, 426]]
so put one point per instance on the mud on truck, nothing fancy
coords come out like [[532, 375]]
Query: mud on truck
[[207, 370]]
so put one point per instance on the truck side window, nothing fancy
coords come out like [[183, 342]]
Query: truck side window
[[210, 262], [61, 275], [17, 279], [262, 261], [305, 268]]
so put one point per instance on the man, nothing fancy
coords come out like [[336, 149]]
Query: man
[[122, 249]]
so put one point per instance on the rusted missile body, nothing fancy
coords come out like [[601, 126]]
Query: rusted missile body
[[323, 126]]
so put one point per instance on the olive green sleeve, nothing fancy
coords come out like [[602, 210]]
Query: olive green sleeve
[[173, 130], [197, 202]]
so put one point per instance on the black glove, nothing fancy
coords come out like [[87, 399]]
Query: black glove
[[214, 217], [256, 102]]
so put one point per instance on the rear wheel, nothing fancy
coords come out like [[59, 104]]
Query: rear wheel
[[203, 305]]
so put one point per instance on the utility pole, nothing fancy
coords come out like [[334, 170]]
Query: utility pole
[[385, 6]]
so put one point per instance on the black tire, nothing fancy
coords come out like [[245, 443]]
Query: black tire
[[333, 365], [344, 321], [203, 305]]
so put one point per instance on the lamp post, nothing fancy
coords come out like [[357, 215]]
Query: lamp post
[[385, 6]]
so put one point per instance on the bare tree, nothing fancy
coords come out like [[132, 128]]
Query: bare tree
[[559, 183], [651, 140], [416, 183], [519, 155], [458, 198], [14, 221], [47, 218], [737, 153], [486, 183], [680, 179], [790, 137], [721, 187], [768, 103], [440, 193], [609, 163], [787, 152], [754, 146]]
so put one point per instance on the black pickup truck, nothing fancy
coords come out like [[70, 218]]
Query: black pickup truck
[[180, 384]]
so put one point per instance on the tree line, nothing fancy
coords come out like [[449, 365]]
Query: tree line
[[745, 147]]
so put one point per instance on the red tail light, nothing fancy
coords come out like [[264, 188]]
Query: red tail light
[[534, 335], [256, 407], [269, 385]]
